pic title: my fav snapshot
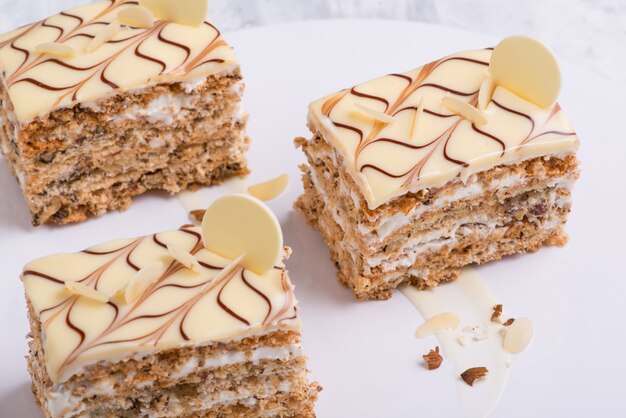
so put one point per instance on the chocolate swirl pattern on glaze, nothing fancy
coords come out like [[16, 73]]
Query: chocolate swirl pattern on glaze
[[133, 58], [388, 160], [181, 307]]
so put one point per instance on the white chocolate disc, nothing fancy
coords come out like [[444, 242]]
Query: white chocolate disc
[[185, 12], [527, 68], [240, 224]]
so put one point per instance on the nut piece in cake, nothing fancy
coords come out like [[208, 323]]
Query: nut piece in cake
[[464, 160], [104, 102]]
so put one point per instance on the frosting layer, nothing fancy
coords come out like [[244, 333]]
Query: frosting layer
[[38, 83], [405, 132], [181, 307]]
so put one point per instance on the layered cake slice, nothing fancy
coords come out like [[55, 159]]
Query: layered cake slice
[[464, 160], [106, 101], [159, 326]]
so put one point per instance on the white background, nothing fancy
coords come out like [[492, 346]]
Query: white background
[[588, 32], [364, 353]]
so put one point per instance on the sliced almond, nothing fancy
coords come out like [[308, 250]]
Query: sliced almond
[[465, 110], [136, 17], [268, 190], [185, 12], [373, 114], [471, 375], [518, 335], [508, 322], [103, 36], [142, 280], [56, 49], [485, 93], [184, 257], [416, 117], [437, 323], [85, 291], [197, 214]]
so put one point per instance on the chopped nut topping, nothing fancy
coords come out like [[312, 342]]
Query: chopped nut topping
[[508, 322], [471, 375], [197, 214], [433, 359], [497, 311]]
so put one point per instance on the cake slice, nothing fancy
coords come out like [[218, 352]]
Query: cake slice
[[464, 160], [159, 326], [104, 102]]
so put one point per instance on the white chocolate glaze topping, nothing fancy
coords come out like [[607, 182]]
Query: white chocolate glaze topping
[[134, 298], [444, 120], [78, 56]]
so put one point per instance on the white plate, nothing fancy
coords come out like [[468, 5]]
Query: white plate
[[364, 353]]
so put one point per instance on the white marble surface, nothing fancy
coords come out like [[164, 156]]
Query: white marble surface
[[587, 32]]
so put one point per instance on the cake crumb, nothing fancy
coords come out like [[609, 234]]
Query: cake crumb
[[463, 340], [480, 336], [433, 359], [471, 375], [497, 312], [299, 141]]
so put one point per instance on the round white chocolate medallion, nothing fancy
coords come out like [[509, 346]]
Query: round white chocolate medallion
[[240, 224], [527, 68]]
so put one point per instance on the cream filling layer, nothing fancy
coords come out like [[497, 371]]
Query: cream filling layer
[[388, 226], [168, 109], [438, 239], [61, 401], [434, 240]]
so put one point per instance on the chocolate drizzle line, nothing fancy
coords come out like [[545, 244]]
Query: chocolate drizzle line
[[159, 322], [30, 62], [395, 107]]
